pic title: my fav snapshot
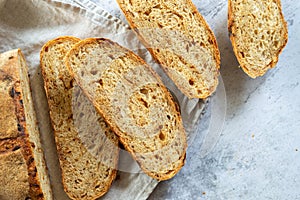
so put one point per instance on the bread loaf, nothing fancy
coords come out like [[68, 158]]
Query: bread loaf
[[258, 33], [135, 103], [23, 173], [87, 148], [179, 38]]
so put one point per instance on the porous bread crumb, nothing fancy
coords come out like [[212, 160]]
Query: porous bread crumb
[[179, 38], [134, 101], [258, 33], [87, 148]]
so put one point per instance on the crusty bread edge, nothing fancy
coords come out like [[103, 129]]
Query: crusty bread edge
[[34, 177], [231, 31], [217, 57], [114, 172], [156, 176]]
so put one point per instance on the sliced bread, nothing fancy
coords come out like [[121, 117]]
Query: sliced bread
[[258, 33], [87, 148], [179, 38], [134, 101], [23, 173]]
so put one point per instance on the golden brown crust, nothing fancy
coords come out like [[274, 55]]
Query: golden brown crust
[[35, 190], [116, 129], [207, 90], [61, 152], [232, 29], [13, 176], [8, 121], [10, 143]]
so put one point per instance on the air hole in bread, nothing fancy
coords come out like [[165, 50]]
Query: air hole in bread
[[71, 84], [144, 91], [94, 72], [19, 127], [147, 12], [157, 157], [158, 6], [78, 181], [16, 148], [162, 136], [178, 15], [32, 144], [101, 82], [81, 115], [159, 25], [187, 48], [97, 186], [242, 54], [12, 92], [191, 82], [145, 103]]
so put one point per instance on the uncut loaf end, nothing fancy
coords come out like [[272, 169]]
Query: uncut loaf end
[[23, 171]]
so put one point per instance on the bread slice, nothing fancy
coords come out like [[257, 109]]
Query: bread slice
[[258, 33], [179, 38], [134, 101], [23, 172], [88, 165]]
